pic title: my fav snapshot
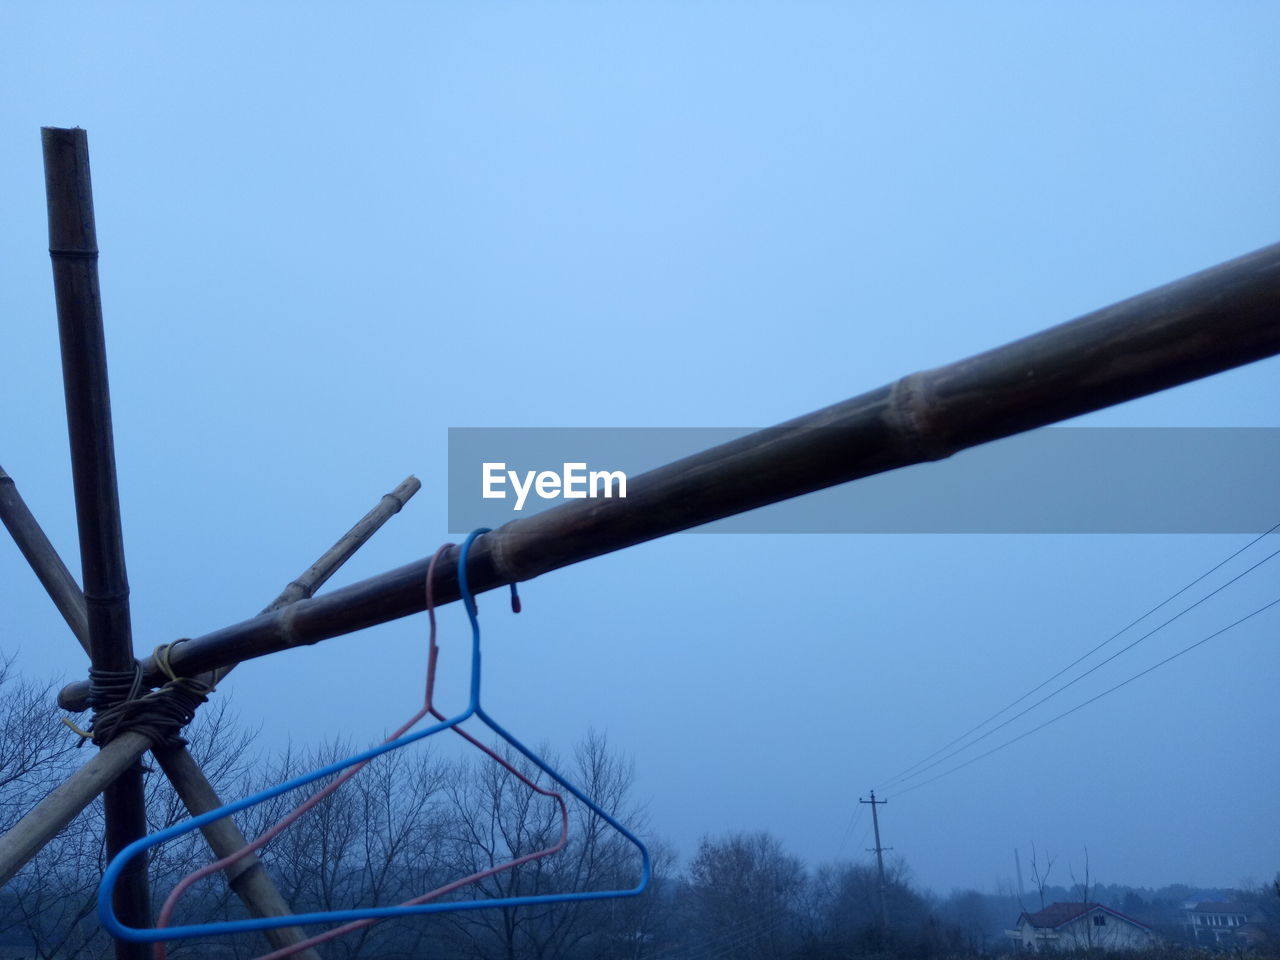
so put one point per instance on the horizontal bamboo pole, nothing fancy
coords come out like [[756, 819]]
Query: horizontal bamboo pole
[[25, 838], [48, 567], [1212, 321]]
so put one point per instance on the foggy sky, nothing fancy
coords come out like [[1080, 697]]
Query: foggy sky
[[331, 232]]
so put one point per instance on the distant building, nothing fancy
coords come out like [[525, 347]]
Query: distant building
[[1217, 924], [1079, 926]]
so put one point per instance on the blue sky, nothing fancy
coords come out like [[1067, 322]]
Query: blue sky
[[330, 232]]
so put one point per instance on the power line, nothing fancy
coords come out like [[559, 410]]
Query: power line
[[866, 835], [729, 949], [1092, 699], [848, 830], [711, 945], [899, 776], [1095, 667], [1070, 683]]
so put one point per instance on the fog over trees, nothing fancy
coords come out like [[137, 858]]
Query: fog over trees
[[421, 817]]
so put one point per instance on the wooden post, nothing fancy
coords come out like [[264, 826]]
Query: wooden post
[[73, 248], [1204, 324]]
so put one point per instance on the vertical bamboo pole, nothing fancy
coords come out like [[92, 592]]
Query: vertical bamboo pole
[[73, 248]]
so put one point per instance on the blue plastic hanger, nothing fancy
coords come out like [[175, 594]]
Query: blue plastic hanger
[[111, 923]]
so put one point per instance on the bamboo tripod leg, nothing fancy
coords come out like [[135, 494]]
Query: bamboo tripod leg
[[43, 558], [66, 801], [249, 880]]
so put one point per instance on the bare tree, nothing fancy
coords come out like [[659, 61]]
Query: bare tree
[[845, 912], [748, 891], [1040, 876], [49, 900], [1084, 889], [970, 913], [1085, 892], [497, 819], [405, 825], [375, 841], [35, 748], [52, 900], [1097, 931]]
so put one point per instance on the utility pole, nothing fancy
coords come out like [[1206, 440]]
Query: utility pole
[[1017, 862], [879, 850]]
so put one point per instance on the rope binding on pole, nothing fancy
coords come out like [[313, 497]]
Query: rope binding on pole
[[120, 706]]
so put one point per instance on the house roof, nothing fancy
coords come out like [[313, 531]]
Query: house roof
[[1210, 907], [1057, 914]]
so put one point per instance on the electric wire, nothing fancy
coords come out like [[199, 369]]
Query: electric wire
[[903, 774], [1070, 683], [745, 932], [866, 838], [1096, 697], [854, 817], [730, 949], [713, 941]]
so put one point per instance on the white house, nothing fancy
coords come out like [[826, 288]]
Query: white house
[[1216, 923], [1079, 926]]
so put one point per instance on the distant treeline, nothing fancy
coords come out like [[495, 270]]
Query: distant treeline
[[421, 817]]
